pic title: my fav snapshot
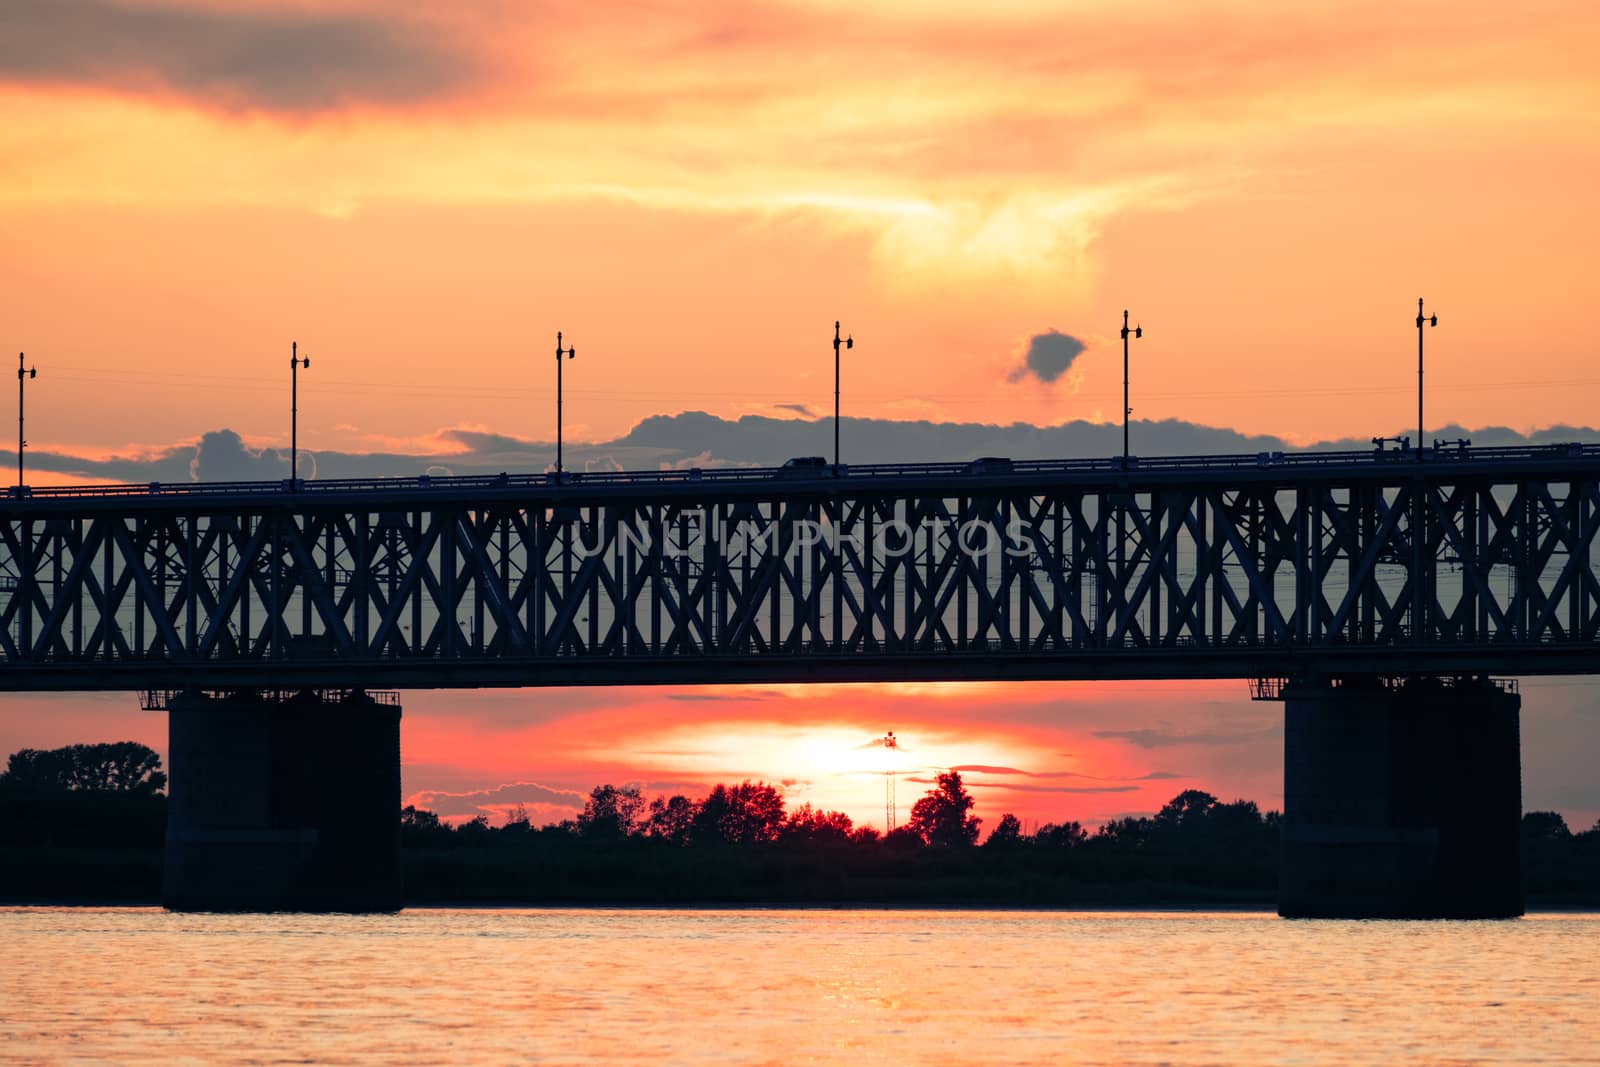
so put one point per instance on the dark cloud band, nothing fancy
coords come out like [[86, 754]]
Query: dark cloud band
[[251, 60], [696, 438]]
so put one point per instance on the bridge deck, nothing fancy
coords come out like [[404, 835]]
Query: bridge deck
[[1252, 466]]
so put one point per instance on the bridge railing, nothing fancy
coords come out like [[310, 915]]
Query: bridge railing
[[853, 474]]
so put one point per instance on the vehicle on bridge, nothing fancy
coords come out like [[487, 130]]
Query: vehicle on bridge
[[803, 467]]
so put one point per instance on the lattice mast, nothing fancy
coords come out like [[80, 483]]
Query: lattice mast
[[891, 746]]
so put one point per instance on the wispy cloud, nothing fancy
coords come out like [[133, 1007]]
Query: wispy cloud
[[1153, 776], [1022, 787], [1163, 738]]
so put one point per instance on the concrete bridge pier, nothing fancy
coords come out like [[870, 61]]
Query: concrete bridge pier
[[1402, 799], [283, 801]]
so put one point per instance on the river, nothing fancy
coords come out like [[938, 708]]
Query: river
[[139, 985]]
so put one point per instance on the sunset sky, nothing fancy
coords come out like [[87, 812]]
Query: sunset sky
[[694, 193]]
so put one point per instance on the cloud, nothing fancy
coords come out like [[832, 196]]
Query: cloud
[[1153, 776], [292, 61], [1018, 787], [980, 768], [699, 439], [222, 456], [798, 409], [1048, 356], [1161, 738], [495, 799], [485, 443]]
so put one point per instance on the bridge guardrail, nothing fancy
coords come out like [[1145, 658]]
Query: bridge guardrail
[[855, 474]]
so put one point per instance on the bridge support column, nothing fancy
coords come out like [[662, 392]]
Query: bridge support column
[[1401, 800], [288, 804]]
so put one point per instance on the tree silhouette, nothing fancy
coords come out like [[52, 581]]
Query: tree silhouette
[[671, 819], [1061, 835], [1006, 834], [1544, 826], [415, 818], [744, 814], [421, 828], [809, 825], [1189, 811], [517, 820], [1240, 816], [940, 817], [611, 811], [475, 830], [903, 839], [1128, 834], [120, 767]]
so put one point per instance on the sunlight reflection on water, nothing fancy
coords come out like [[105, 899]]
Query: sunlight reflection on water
[[848, 986]]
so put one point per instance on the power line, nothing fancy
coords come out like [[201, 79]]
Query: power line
[[219, 381]]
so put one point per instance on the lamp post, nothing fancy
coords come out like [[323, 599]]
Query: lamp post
[[569, 352], [1432, 320], [1138, 331], [295, 363], [849, 342], [22, 378]]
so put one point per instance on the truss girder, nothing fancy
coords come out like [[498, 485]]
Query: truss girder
[[1048, 570]]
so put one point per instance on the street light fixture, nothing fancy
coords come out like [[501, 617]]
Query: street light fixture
[[1432, 320], [295, 363], [849, 342], [569, 352], [22, 377], [1138, 331]]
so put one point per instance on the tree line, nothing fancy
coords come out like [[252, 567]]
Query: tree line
[[119, 767], [747, 814], [88, 821]]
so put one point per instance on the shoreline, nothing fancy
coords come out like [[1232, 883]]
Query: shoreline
[[1535, 908]]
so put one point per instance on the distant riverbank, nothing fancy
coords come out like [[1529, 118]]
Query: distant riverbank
[[739, 847], [449, 878]]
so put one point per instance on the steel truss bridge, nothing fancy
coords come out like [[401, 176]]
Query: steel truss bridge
[[1392, 563]]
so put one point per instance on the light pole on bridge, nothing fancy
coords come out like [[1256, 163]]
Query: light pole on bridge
[[23, 374], [1138, 331], [1432, 320], [569, 352], [295, 363], [849, 342]]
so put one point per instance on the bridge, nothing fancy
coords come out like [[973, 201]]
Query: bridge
[[1268, 565], [1372, 592]]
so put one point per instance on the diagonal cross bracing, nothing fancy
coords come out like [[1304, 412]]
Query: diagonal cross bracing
[[1172, 573]]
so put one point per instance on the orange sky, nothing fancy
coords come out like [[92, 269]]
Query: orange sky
[[695, 192]]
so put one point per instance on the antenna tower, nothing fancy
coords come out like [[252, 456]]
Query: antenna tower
[[890, 743]]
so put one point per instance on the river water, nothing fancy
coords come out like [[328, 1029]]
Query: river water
[[139, 985]]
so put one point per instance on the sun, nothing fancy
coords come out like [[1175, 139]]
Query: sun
[[837, 766]]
